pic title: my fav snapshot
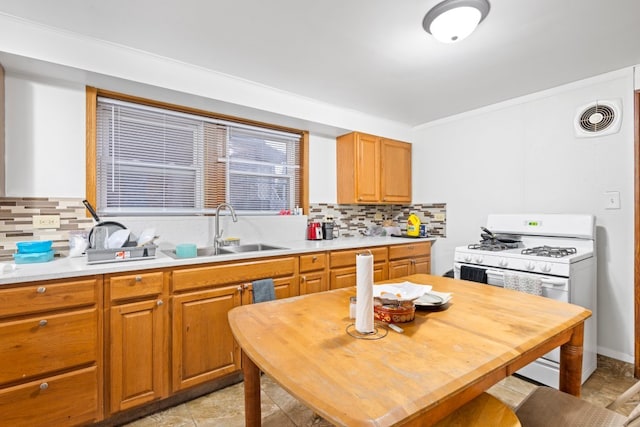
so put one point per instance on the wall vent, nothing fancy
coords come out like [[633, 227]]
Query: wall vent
[[598, 118]]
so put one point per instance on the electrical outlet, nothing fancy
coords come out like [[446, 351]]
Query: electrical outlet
[[439, 217], [46, 221], [377, 216]]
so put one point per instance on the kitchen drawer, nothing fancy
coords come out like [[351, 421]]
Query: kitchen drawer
[[69, 399], [47, 343], [44, 296], [346, 276], [236, 272], [410, 250], [313, 262], [348, 258], [136, 285]]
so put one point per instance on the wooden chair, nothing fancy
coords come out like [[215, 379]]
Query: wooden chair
[[546, 407], [483, 411]]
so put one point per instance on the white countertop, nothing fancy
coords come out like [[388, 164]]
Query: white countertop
[[61, 268]]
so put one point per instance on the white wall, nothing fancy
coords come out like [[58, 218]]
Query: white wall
[[522, 156], [45, 138]]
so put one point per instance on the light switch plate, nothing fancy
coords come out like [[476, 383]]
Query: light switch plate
[[46, 221], [612, 200], [439, 217]]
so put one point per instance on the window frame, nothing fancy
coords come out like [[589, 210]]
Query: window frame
[[92, 94]]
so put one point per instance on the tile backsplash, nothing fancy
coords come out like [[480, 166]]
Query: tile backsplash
[[16, 222], [353, 220]]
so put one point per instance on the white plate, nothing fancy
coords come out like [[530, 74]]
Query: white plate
[[405, 291], [433, 299], [118, 238], [147, 235]]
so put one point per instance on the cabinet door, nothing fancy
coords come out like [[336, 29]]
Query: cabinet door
[[380, 271], [367, 169], [138, 353], [313, 282], [395, 172], [399, 268], [422, 265], [203, 347]]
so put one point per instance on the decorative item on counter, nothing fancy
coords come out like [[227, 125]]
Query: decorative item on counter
[[33, 251], [413, 226], [364, 293]]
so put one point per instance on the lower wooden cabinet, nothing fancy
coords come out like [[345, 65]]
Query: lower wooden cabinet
[[413, 258], [203, 347], [50, 353], [343, 266], [138, 337], [313, 273]]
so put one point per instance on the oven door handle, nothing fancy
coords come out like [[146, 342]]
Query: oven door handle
[[545, 280]]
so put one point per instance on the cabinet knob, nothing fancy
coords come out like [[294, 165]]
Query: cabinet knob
[[159, 302], [239, 288], [41, 290], [245, 286], [314, 258], [138, 278], [43, 322], [303, 278], [44, 386]]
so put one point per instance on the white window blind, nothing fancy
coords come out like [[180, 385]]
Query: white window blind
[[156, 161]]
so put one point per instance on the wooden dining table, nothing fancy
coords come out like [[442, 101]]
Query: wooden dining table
[[443, 358]]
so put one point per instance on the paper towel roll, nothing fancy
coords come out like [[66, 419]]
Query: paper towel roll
[[364, 293]]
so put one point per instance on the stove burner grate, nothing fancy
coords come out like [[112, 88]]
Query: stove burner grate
[[493, 245], [550, 251]]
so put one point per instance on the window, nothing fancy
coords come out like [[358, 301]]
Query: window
[[152, 160]]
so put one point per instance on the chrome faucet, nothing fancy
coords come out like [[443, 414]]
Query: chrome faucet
[[217, 239]]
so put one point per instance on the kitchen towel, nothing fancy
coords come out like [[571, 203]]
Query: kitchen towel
[[473, 274], [523, 283], [364, 293], [263, 290]]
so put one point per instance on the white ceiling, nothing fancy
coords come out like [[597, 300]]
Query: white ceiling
[[367, 55]]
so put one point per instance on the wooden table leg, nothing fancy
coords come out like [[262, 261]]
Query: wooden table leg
[[252, 415], [571, 362]]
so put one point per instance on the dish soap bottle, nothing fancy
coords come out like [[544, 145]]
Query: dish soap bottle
[[413, 226]]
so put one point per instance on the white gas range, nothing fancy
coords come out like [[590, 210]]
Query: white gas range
[[554, 254]]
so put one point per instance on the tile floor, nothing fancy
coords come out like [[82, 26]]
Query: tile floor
[[224, 408]]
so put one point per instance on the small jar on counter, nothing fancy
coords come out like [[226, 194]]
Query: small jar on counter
[[352, 307]]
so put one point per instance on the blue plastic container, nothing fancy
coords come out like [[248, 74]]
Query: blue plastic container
[[34, 257], [38, 246]]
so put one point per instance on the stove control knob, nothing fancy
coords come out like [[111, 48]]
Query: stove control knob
[[479, 259], [530, 265], [546, 267], [503, 262], [467, 258]]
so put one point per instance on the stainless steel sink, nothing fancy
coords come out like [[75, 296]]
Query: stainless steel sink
[[255, 247], [228, 250]]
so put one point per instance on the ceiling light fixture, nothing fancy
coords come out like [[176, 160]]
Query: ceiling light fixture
[[453, 20]]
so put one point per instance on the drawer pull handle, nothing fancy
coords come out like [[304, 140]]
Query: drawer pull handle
[[159, 302], [43, 322], [138, 278], [44, 386], [41, 290]]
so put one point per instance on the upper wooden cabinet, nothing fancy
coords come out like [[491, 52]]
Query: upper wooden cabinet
[[372, 169]]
